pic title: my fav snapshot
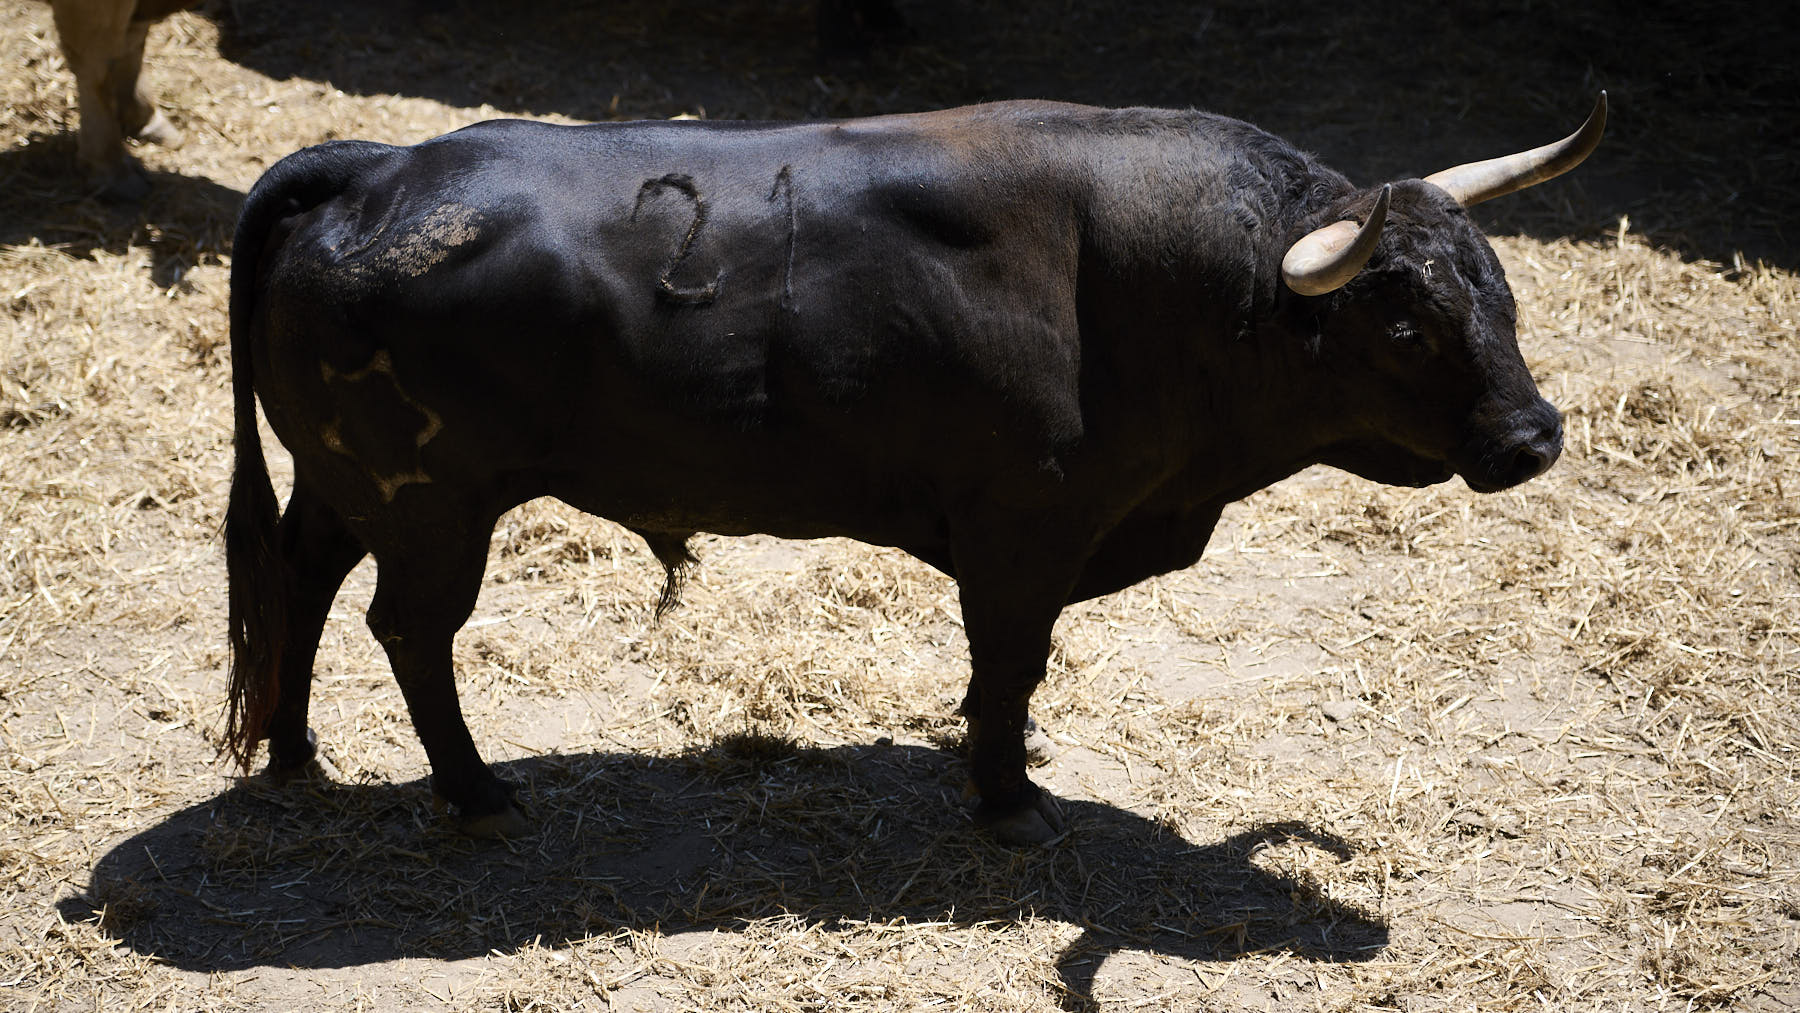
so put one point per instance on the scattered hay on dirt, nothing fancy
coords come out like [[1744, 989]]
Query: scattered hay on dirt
[[1380, 749]]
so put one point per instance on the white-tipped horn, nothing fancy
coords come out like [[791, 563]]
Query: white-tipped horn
[[1324, 260], [1479, 181]]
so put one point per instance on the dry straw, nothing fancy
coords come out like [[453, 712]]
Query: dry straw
[[1380, 749]]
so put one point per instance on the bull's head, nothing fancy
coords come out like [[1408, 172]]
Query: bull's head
[[1423, 325]]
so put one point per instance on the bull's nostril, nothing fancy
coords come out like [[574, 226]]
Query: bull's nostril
[[1530, 462]]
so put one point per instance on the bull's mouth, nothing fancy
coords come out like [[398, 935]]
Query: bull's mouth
[[1433, 475], [1500, 472], [1425, 472], [1481, 485], [1476, 485], [1487, 484]]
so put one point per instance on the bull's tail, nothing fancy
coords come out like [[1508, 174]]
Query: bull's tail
[[257, 576]]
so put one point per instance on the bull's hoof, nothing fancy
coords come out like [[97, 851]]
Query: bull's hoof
[[1034, 822], [304, 763], [488, 811], [508, 822]]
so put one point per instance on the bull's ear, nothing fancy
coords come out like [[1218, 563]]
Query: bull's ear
[[1478, 181], [1324, 260]]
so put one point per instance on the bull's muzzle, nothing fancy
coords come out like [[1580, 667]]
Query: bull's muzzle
[[1530, 441]]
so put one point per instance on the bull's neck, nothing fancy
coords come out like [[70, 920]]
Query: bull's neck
[[1194, 346], [1206, 363]]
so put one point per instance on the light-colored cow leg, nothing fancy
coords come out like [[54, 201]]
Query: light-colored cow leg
[[138, 116], [93, 34]]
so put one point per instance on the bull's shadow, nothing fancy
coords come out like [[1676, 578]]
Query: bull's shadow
[[185, 220], [333, 875]]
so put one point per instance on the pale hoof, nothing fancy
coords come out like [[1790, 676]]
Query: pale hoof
[[160, 131], [508, 822]]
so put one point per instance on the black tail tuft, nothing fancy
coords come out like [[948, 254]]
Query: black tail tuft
[[671, 550], [256, 573], [257, 579]]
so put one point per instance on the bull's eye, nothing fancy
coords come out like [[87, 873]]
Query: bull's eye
[[1405, 335]]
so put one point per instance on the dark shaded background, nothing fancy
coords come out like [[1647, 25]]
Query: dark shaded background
[[1705, 97]]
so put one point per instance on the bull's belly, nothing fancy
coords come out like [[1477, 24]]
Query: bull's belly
[[786, 502]]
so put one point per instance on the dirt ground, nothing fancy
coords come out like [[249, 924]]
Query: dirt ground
[[1381, 749]]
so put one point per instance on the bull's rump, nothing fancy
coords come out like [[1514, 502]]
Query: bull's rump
[[812, 329]]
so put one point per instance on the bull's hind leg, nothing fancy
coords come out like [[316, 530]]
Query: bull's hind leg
[[425, 587], [317, 553]]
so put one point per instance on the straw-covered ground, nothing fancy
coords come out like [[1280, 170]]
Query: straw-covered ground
[[1380, 749]]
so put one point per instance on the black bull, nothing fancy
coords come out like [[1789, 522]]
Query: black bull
[[1039, 346]]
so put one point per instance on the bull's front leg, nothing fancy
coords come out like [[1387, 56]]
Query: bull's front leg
[[1010, 603], [1039, 748]]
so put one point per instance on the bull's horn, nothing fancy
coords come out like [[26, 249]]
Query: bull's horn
[[1324, 260], [1479, 181]]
